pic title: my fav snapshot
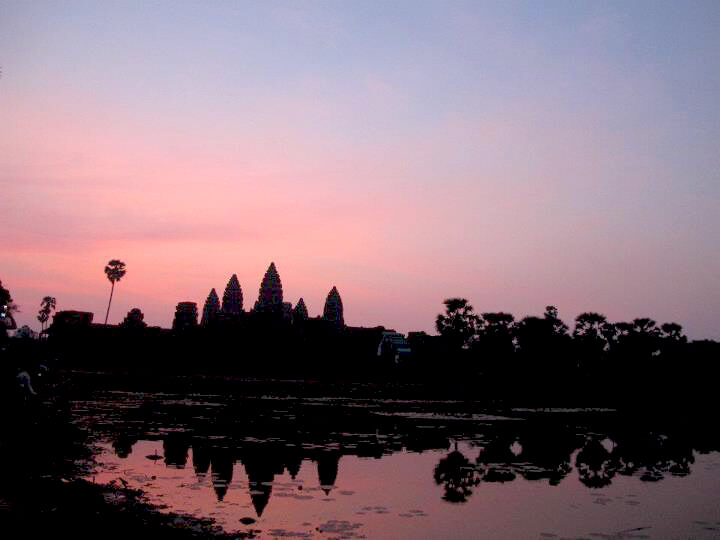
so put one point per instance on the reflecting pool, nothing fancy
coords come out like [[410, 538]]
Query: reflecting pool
[[343, 468]]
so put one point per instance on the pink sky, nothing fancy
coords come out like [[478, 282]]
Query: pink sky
[[404, 168]]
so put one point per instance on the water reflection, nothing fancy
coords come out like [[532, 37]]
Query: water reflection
[[222, 464], [598, 459], [123, 446], [269, 440], [457, 475], [201, 460], [176, 448]]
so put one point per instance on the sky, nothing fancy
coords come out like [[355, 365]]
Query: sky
[[518, 154]]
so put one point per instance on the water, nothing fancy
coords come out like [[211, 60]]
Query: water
[[382, 469]]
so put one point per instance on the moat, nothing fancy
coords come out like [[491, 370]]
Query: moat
[[274, 467]]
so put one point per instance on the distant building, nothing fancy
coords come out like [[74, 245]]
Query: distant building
[[417, 340], [72, 319], [287, 312], [25, 332], [186, 316], [394, 346], [135, 319]]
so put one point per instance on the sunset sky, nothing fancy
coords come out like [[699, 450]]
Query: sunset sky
[[516, 154]]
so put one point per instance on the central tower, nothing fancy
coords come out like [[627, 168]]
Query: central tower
[[270, 297]]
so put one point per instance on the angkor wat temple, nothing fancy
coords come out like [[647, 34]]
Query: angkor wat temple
[[272, 338], [269, 307]]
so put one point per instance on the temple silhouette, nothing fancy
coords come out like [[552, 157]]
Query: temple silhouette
[[491, 355], [269, 307], [271, 337], [271, 441]]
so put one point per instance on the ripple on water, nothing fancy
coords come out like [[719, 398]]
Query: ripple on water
[[283, 533], [344, 528]]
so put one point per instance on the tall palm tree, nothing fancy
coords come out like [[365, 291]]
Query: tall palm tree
[[47, 306], [114, 271]]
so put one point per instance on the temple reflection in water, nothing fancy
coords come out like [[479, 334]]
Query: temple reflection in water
[[269, 443]]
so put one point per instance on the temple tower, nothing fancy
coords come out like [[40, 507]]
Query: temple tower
[[211, 309], [186, 315], [333, 311], [300, 312], [232, 298], [270, 297]]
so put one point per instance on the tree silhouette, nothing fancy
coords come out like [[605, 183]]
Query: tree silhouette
[[559, 328], [459, 325], [595, 465], [7, 307], [457, 476], [592, 336], [647, 336], [543, 352], [47, 306], [672, 332], [496, 342], [672, 344], [114, 270], [500, 326], [621, 351], [592, 327]]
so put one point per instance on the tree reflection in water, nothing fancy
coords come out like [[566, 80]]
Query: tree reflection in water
[[268, 442], [504, 455], [535, 457], [457, 475], [595, 465]]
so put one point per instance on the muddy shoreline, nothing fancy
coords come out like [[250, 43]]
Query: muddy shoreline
[[43, 492]]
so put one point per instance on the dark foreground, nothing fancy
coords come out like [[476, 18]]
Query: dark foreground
[[244, 449], [45, 457]]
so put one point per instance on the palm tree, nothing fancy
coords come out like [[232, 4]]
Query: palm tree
[[459, 324], [114, 271], [47, 306]]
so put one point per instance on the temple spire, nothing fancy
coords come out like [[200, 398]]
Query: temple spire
[[233, 298], [300, 311], [211, 309], [271, 293], [333, 311]]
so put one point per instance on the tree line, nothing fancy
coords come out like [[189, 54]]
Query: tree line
[[543, 354]]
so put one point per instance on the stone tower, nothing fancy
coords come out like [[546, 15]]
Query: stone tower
[[211, 309], [333, 311], [186, 315], [271, 293], [300, 312], [232, 298]]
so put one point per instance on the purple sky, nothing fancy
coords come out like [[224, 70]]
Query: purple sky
[[517, 154]]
